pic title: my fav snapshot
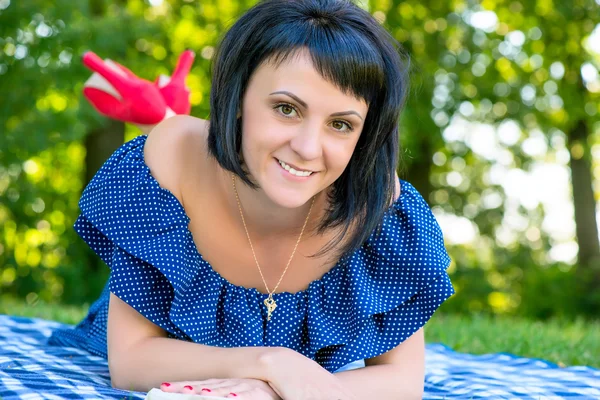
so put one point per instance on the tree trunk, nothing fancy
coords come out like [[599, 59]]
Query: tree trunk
[[99, 145], [588, 269], [583, 197]]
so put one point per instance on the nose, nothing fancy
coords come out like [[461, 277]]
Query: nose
[[307, 142]]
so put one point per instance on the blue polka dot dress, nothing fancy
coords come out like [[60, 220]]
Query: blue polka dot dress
[[367, 304]]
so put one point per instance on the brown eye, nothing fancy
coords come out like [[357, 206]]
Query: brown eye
[[339, 126], [286, 110]]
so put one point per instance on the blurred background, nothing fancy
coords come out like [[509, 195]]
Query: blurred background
[[501, 136]]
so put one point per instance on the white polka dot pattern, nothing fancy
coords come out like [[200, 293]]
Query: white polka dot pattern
[[371, 301]]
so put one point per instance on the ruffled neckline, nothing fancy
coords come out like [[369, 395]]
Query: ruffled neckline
[[340, 264]]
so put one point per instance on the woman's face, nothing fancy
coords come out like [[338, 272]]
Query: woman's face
[[293, 118]]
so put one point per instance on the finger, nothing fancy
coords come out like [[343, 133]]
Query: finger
[[184, 64], [177, 387], [189, 389], [226, 388], [96, 64]]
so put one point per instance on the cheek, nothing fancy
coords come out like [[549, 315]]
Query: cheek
[[252, 115], [251, 132], [338, 156], [261, 137], [262, 132]]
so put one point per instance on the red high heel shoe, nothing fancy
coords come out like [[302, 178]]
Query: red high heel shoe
[[173, 89], [116, 92]]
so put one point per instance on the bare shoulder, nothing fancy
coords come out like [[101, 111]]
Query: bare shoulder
[[172, 146]]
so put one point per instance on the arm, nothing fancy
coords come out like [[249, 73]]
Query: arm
[[140, 356], [396, 374]]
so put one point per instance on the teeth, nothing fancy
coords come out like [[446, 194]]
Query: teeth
[[293, 171]]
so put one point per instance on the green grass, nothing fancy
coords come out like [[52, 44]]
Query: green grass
[[565, 343], [64, 314]]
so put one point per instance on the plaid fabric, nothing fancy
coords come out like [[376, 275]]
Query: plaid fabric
[[30, 369]]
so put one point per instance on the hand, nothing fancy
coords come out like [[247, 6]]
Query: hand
[[239, 389], [118, 93], [296, 377], [173, 89]]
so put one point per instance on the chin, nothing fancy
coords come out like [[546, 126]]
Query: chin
[[285, 189], [288, 199]]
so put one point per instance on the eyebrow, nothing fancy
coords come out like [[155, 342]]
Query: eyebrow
[[303, 104]]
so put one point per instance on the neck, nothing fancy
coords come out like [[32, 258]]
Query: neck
[[266, 220]]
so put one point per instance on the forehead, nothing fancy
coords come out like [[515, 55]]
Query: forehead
[[297, 74]]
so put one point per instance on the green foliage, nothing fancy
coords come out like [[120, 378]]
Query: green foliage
[[459, 71], [509, 71], [517, 286], [42, 154]]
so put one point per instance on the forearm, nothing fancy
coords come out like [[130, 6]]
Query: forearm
[[156, 360], [382, 382]]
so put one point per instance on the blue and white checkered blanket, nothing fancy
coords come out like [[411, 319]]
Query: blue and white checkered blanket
[[30, 369]]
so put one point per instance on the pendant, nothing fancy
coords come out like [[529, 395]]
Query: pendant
[[271, 306]]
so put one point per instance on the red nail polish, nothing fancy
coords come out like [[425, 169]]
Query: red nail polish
[[208, 390], [188, 387], [167, 384]]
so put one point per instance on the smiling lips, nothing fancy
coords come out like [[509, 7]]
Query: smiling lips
[[294, 171]]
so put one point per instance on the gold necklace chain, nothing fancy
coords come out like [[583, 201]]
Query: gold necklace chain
[[269, 301]]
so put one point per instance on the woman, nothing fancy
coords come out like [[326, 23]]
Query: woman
[[274, 241]]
